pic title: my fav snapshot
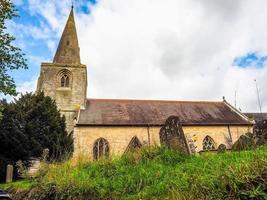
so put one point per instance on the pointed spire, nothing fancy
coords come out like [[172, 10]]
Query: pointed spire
[[68, 50]]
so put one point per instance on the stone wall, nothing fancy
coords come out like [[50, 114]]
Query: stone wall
[[68, 99], [119, 137]]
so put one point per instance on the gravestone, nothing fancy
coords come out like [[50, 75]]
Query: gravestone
[[20, 168], [260, 130], [244, 142], [45, 154], [221, 148], [191, 144], [9, 173], [172, 135]]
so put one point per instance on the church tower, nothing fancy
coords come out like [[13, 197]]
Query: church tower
[[65, 79]]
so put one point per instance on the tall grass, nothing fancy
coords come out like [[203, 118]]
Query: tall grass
[[158, 173]]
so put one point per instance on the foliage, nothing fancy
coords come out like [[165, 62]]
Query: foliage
[[31, 124], [157, 173], [11, 57], [21, 185]]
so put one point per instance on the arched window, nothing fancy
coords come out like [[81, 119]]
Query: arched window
[[65, 81], [101, 149], [208, 144], [64, 78], [134, 144]]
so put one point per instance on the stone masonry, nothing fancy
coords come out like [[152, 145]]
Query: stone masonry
[[66, 64]]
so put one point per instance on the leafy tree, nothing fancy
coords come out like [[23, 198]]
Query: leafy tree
[[11, 57], [31, 124]]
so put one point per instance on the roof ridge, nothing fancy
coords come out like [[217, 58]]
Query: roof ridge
[[155, 100]]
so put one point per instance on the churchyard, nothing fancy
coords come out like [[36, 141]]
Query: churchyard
[[151, 173], [170, 171]]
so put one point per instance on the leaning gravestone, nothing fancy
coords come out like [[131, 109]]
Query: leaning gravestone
[[244, 142], [172, 135], [9, 173]]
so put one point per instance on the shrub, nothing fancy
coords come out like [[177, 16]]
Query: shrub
[[31, 124]]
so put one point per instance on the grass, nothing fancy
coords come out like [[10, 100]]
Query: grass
[[157, 173], [18, 185]]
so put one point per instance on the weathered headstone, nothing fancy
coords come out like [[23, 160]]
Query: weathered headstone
[[20, 168], [45, 154], [191, 144], [221, 148], [260, 130], [244, 142], [172, 135], [9, 173]]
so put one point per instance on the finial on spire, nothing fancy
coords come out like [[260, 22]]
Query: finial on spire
[[72, 4]]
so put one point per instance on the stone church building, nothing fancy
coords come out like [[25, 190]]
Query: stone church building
[[107, 127]]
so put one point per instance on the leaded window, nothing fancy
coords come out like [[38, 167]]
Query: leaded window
[[65, 81], [208, 144], [64, 78], [134, 144], [101, 149]]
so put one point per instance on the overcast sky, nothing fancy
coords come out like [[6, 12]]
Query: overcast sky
[[154, 49]]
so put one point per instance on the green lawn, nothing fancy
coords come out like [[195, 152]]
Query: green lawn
[[157, 174]]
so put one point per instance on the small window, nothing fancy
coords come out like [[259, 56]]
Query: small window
[[208, 144], [133, 145], [100, 149], [68, 43], [65, 81]]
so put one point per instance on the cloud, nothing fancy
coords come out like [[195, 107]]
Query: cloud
[[27, 86], [171, 49]]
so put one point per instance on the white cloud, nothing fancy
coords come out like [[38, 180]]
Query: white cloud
[[27, 86], [171, 49]]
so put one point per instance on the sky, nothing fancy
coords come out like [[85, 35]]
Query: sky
[[154, 49]]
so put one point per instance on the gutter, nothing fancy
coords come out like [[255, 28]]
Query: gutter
[[160, 125]]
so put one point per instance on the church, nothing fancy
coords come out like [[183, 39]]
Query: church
[[110, 127]]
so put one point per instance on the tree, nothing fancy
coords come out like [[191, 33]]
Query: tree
[[31, 124], [11, 57]]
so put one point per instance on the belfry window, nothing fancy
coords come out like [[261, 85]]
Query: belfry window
[[100, 149], [65, 81], [208, 144], [64, 78]]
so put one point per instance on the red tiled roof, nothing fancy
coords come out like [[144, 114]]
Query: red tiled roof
[[155, 112]]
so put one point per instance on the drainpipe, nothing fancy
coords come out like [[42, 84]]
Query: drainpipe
[[148, 135], [229, 131]]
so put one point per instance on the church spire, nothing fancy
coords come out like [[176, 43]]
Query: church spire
[[68, 51]]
